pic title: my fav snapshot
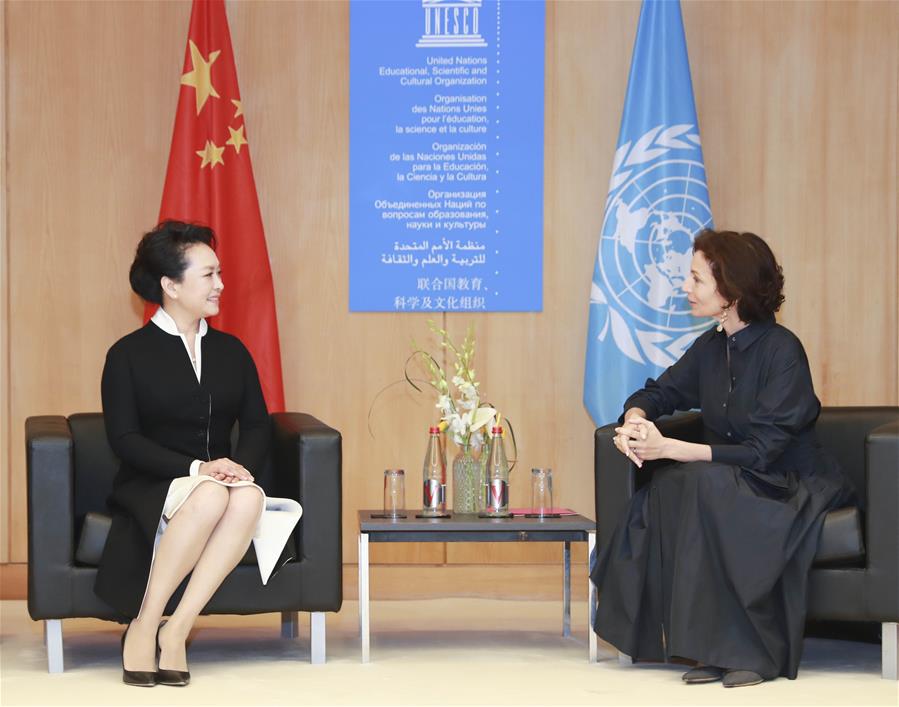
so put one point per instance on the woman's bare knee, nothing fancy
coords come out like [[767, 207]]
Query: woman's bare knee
[[245, 501], [208, 501]]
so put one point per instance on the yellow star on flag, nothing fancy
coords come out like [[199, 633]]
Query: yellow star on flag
[[211, 154], [237, 138], [201, 76], [237, 104]]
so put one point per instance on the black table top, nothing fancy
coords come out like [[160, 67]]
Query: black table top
[[471, 522]]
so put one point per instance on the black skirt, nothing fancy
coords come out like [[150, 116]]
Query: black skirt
[[710, 564], [125, 567]]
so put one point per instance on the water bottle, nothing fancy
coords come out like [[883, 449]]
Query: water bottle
[[496, 486], [433, 497]]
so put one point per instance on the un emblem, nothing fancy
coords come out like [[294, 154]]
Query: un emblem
[[658, 202]]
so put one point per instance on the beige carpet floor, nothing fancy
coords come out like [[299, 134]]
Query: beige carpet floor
[[429, 652]]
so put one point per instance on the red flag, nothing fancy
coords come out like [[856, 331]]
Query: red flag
[[210, 181]]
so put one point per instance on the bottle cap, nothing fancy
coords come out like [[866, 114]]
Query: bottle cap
[[433, 430], [497, 430]]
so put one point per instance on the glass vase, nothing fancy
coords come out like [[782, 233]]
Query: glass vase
[[467, 481]]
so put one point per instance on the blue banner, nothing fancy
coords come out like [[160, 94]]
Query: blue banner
[[658, 201], [446, 155]]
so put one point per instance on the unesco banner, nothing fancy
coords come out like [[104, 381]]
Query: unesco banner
[[446, 155]]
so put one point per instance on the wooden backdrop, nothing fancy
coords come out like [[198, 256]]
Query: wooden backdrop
[[798, 111]]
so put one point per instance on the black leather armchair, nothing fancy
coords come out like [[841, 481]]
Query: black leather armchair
[[855, 576], [70, 469]]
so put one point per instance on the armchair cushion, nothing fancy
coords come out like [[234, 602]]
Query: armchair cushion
[[93, 538], [841, 538]]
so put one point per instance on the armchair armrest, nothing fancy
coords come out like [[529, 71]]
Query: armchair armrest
[[616, 477], [51, 510], [614, 483], [882, 462], [308, 458], [685, 426]]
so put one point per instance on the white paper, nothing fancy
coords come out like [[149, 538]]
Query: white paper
[[273, 531]]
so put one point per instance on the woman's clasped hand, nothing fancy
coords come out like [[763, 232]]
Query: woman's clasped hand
[[225, 470], [639, 439]]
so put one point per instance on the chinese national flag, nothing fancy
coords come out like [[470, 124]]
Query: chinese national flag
[[210, 181]]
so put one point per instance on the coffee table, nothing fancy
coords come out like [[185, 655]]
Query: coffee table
[[470, 528]]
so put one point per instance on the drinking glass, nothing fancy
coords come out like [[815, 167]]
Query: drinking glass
[[541, 492], [394, 493]]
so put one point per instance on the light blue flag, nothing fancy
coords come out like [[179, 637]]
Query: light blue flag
[[658, 202]]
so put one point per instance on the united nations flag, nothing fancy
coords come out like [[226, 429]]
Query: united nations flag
[[658, 202]]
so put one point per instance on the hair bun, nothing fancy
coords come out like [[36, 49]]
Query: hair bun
[[161, 253]]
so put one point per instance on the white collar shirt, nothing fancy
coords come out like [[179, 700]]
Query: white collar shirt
[[164, 321]]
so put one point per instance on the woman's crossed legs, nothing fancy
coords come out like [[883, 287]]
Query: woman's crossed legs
[[209, 534]]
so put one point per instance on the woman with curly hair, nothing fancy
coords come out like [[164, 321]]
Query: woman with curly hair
[[710, 561]]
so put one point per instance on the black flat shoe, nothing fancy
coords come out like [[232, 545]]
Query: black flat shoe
[[702, 674], [136, 678], [173, 678], [741, 678]]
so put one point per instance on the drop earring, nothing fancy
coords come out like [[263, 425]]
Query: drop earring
[[723, 319]]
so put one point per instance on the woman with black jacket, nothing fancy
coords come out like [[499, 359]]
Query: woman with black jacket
[[172, 392]]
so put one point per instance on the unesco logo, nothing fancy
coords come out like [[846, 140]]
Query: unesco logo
[[658, 202], [451, 23]]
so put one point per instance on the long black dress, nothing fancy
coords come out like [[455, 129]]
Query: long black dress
[[711, 560], [159, 419]]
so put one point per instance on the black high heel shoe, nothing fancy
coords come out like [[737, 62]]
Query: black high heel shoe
[[174, 678], [137, 678]]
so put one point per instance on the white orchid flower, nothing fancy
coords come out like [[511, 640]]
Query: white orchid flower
[[445, 405], [468, 391], [458, 425], [468, 404]]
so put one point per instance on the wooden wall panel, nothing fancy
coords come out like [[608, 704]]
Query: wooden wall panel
[[90, 103], [798, 110], [4, 316]]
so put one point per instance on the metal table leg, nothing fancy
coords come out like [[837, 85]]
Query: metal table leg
[[566, 591], [591, 602], [363, 595]]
